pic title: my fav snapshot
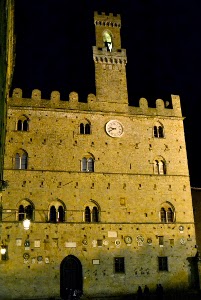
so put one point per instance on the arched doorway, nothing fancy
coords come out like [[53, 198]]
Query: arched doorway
[[70, 276]]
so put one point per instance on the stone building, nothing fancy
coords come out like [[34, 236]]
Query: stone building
[[105, 185]]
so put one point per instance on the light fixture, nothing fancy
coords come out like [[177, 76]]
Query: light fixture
[[26, 224], [3, 249]]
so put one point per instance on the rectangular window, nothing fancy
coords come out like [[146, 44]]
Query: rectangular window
[[119, 265], [163, 263], [160, 240], [99, 243]]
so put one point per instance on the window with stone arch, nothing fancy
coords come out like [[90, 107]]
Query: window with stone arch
[[158, 130], [87, 163], [92, 212], [107, 39], [85, 127], [167, 213], [57, 212], [21, 160], [159, 166], [25, 210], [23, 123]]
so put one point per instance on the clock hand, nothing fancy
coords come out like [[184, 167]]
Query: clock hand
[[111, 129]]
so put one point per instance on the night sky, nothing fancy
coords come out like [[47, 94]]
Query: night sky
[[163, 43]]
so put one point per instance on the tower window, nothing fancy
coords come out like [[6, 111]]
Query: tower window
[[119, 266], [25, 211], [87, 164], [56, 213], [85, 128], [107, 39], [91, 214], [22, 124], [158, 130], [159, 167], [21, 160], [167, 214]]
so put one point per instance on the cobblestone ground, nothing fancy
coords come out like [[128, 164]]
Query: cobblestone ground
[[166, 296]]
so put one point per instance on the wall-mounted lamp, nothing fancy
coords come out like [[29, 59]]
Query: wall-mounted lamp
[[3, 249], [26, 224]]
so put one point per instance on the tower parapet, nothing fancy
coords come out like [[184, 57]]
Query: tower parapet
[[103, 19]]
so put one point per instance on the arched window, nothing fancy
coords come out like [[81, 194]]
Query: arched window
[[81, 128], [21, 160], [17, 161], [159, 166], [21, 213], [107, 39], [95, 214], [91, 213], [60, 214], [22, 124], [87, 214], [84, 164], [90, 162], [87, 164], [19, 125], [163, 215], [53, 215], [25, 211], [29, 212], [158, 130], [24, 161], [57, 212], [167, 214], [85, 128], [170, 215], [25, 125]]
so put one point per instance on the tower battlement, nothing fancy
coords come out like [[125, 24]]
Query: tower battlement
[[92, 104], [104, 19]]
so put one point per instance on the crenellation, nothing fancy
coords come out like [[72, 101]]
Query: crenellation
[[36, 94], [17, 93], [117, 56], [73, 103], [55, 96]]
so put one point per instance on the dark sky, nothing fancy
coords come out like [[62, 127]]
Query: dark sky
[[163, 42]]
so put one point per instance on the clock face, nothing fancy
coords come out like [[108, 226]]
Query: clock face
[[114, 128]]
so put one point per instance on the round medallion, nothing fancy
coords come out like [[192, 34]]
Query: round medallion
[[128, 239], [26, 256], [84, 242], [149, 241], [117, 242], [140, 238], [181, 228], [114, 128], [39, 258]]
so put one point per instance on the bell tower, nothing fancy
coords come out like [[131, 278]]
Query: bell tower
[[110, 60]]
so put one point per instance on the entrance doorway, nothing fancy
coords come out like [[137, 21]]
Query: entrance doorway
[[193, 273], [70, 276]]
